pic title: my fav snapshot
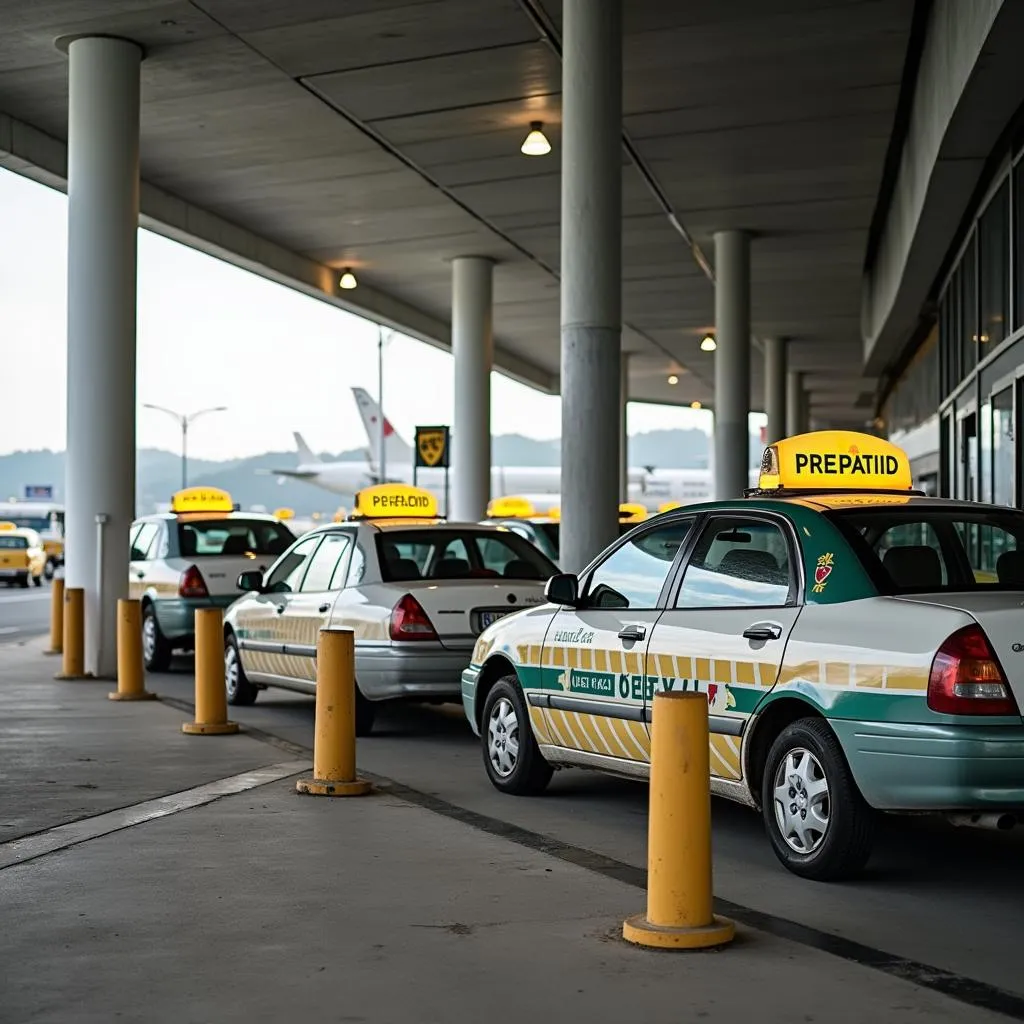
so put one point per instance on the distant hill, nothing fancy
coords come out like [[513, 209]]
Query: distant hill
[[158, 473]]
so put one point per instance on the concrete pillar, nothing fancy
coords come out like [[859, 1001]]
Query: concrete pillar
[[591, 276], [103, 218], [473, 356], [775, 388], [624, 428], [796, 422], [732, 363]]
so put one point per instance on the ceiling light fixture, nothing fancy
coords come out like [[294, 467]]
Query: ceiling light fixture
[[673, 379], [708, 344], [348, 280], [536, 143], [695, 405]]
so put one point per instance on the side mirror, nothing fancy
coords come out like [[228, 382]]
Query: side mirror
[[250, 580], [563, 588]]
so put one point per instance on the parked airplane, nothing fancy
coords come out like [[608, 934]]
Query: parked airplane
[[646, 485]]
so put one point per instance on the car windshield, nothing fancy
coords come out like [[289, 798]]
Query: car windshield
[[929, 548], [237, 537], [456, 554], [14, 543]]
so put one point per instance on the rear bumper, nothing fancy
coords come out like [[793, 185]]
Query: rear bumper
[[411, 670], [176, 615], [935, 767]]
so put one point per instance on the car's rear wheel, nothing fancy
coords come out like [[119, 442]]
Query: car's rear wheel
[[23, 580], [156, 648], [819, 825], [511, 756], [239, 689]]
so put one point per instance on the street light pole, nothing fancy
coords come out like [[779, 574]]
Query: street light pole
[[183, 420], [382, 468]]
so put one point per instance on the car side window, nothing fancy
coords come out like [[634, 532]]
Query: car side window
[[356, 566], [143, 541], [324, 564], [634, 573], [737, 563], [285, 576]]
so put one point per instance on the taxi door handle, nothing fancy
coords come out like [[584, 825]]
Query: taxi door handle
[[141, 575], [326, 606], [280, 609], [632, 633], [762, 632]]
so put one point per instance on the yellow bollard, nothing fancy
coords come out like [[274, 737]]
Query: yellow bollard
[[679, 895], [73, 641], [56, 617], [334, 742], [130, 672], [211, 697]]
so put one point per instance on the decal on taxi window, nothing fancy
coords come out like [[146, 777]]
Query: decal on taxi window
[[822, 571]]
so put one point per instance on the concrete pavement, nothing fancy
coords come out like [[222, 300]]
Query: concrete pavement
[[256, 904], [24, 614]]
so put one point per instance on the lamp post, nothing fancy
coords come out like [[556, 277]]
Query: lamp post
[[382, 339], [184, 420]]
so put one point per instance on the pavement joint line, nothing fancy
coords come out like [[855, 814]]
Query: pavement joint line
[[74, 833], [958, 987]]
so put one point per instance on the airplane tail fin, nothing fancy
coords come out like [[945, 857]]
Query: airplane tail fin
[[398, 451], [306, 456]]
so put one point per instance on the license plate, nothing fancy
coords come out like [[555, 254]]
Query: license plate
[[485, 618]]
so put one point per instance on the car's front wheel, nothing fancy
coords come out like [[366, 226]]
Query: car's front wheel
[[819, 825], [511, 756], [239, 689]]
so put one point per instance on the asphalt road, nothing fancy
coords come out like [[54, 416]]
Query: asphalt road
[[24, 613], [945, 897]]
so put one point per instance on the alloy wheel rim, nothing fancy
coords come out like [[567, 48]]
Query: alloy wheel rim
[[803, 805], [503, 738], [148, 637], [231, 671]]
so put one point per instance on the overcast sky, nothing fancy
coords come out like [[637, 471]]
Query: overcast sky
[[210, 334]]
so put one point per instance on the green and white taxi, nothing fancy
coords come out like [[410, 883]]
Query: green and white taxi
[[861, 647], [415, 590], [189, 557]]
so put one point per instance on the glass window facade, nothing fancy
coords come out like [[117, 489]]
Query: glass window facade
[[994, 268]]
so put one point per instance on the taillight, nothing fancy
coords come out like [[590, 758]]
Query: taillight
[[192, 583], [409, 621], [966, 679]]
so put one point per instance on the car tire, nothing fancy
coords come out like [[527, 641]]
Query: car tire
[[156, 648], [511, 756], [807, 779], [23, 580], [239, 690], [366, 714]]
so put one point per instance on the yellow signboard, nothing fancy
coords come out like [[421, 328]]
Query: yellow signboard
[[202, 499], [7, 527], [431, 446], [554, 513], [285, 513], [835, 460], [667, 506], [394, 501], [511, 507], [632, 512]]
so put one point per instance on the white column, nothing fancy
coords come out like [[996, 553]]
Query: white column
[[473, 356], [732, 363], [795, 404], [591, 268], [775, 388], [624, 428], [103, 217]]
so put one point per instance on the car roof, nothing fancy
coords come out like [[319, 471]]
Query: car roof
[[198, 517]]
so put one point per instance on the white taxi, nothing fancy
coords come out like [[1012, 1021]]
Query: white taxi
[[416, 591], [189, 558]]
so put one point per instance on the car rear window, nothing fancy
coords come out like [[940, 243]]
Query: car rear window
[[926, 549], [14, 543], [201, 538], [450, 554]]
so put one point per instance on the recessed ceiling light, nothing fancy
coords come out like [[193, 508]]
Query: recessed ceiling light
[[348, 280], [673, 379], [695, 405], [708, 344], [536, 143]]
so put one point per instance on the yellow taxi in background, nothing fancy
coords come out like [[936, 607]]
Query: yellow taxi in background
[[22, 557], [415, 589]]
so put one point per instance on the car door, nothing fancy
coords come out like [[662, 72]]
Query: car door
[[259, 622], [593, 658], [140, 576], [728, 620], [310, 608]]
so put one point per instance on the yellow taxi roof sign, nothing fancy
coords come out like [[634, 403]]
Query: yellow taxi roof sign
[[554, 513], [668, 506], [632, 512], [284, 513], [6, 527], [202, 499], [510, 507], [835, 460], [394, 501]]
